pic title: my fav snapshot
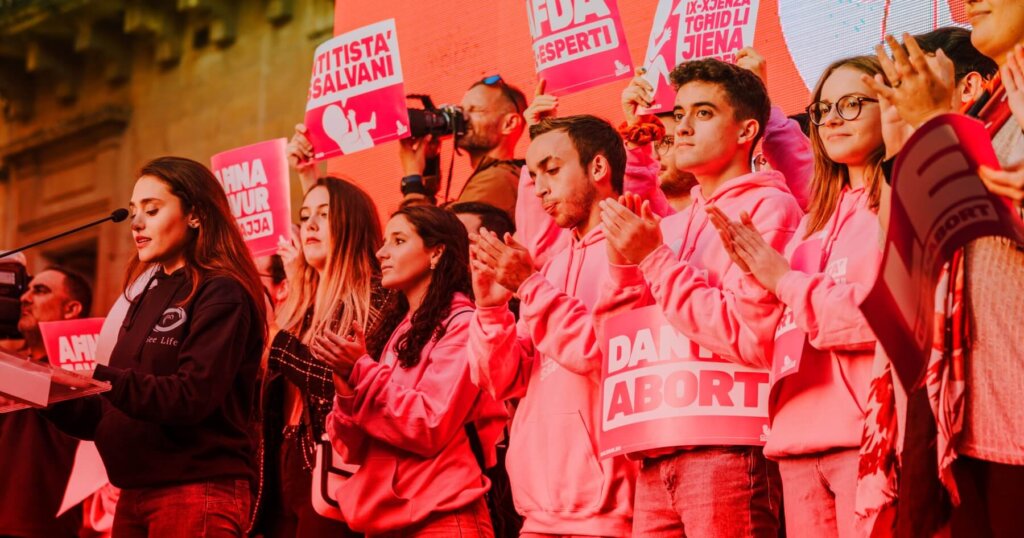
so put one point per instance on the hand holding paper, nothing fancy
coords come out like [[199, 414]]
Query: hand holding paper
[[542, 106], [752, 61], [638, 94]]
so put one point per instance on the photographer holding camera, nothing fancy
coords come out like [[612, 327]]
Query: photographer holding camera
[[493, 112], [37, 457]]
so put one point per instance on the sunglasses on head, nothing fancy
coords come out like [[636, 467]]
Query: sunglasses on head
[[496, 82]]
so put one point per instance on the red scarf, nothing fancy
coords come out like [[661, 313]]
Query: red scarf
[[879, 470]]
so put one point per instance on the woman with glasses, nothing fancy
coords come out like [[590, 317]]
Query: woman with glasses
[[823, 346]]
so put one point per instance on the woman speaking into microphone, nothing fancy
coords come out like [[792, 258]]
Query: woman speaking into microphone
[[174, 430]]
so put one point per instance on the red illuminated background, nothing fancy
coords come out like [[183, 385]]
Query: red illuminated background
[[446, 45]]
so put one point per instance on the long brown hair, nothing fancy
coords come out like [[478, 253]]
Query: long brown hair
[[216, 247], [451, 275], [831, 177], [355, 236]]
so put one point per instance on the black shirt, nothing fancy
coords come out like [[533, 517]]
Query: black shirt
[[183, 379]]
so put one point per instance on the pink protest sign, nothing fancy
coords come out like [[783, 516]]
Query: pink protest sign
[[938, 205], [661, 390], [356, 98], [71, 344], [789, 339], [789, 348], [578, 44], [255, 178], [685, 30]]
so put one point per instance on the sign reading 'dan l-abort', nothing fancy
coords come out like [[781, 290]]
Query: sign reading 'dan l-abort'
[[660, 390], [578, 44], [71, 344], [939, 204], [255, 178], [356, 98], [685, 30]]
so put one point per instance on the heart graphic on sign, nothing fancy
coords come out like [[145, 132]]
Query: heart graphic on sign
[[788, 364], [764, 432], [400, 128]]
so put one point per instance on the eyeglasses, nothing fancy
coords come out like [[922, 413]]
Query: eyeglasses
[[664, 145], [496, 82], [848, 107]]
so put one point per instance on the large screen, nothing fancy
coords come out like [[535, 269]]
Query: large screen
[[447, 45]]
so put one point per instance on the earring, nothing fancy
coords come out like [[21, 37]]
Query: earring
[[193, 225], [433, 265]]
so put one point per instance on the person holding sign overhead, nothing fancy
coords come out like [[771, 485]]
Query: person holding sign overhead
[[175, 430], [37, 457]]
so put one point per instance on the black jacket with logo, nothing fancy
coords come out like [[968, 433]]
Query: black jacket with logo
[[183, 383]]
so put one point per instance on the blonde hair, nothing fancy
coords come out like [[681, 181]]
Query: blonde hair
[[343, 295], [831, 177]]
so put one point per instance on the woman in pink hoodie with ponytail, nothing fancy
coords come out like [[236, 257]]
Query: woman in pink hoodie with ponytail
[[406, 410], [823, 346]]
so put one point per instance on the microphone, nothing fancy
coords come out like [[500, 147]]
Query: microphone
[[117, 215]]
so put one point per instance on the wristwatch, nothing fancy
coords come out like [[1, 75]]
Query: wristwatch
[[413, 184]]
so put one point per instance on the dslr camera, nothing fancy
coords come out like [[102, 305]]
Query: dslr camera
[[446, 120], [13, 283]]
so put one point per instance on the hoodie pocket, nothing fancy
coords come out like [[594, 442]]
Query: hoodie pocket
[[552, 466]]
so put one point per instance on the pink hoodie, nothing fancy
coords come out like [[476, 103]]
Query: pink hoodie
[[691, 277], [552, 361], [821, 406], [788, 150], [405, 427], [785, 147]]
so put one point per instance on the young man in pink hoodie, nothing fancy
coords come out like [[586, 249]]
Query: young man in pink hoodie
[[551, 360], [680, 264]]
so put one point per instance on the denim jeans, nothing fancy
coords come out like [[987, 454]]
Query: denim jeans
[[708, 492], [821, 492], [472, 521], [217, 508]]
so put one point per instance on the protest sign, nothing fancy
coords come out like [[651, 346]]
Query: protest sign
[[356, 97], [659, 389], [255, 178], [939, 204], [71, 344], [578, 44], [685, 30]]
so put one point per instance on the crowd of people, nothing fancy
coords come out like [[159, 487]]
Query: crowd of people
[[441, 375]]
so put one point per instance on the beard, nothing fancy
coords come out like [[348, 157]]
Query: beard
[[675, 182], [480, 138], [576, 210]]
